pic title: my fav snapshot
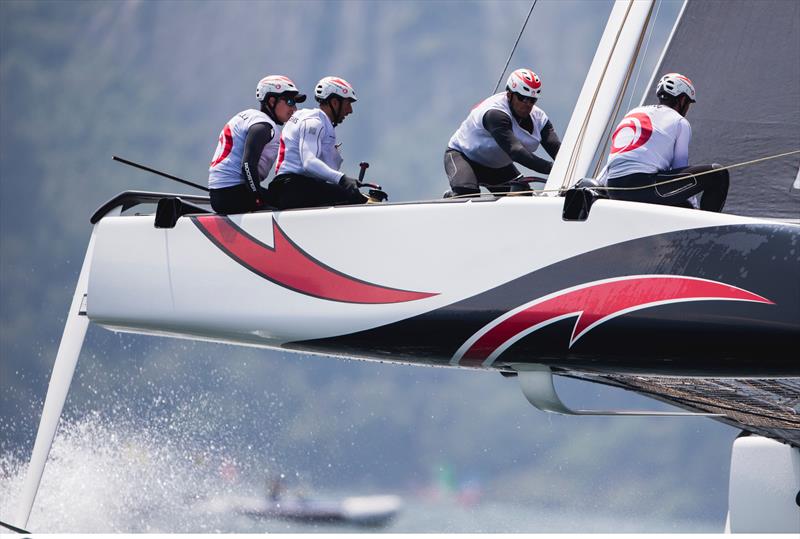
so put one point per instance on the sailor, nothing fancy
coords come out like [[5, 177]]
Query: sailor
[[650, 147], [248, 146], [307, 173], [504, 129]]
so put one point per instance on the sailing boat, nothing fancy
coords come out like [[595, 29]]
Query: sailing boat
[[621, 293]]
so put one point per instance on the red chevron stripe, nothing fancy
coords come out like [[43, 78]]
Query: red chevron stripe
[[595, 304], [289, 266]]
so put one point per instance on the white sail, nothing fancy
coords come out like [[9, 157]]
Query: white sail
[[604, 83]]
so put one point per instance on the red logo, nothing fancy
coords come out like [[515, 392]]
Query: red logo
[[287, 265], [633, 131], [592, 304], [224, 146], [281, 154]]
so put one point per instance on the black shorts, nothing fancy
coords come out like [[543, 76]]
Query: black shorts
[[289, 191], [236, 199], [713, 186], [466, 176]]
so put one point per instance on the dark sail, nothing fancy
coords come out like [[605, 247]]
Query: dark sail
[[744, 59]]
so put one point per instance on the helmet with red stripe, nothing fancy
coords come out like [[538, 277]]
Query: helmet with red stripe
[[277, 85], [329, 86], [675, 84], [524, 82]]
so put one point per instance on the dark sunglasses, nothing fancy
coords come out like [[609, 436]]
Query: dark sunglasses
[[527, 99], [289, 101]]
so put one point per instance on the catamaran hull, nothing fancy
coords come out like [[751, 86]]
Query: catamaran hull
[[488, 284]]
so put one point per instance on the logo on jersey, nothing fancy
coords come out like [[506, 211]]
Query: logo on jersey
[[288, 266], [224, 146], [281, 153], [631, 133], [593, 304]]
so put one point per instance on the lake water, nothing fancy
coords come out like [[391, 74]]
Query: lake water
[[103, 478]]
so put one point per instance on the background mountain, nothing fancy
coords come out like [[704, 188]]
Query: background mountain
[[154, 82]]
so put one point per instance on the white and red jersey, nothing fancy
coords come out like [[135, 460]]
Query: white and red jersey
[[308, 147], [649, 139], [226, 166], [474, 141]]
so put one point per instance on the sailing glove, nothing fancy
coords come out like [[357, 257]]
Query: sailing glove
[[351, 184]]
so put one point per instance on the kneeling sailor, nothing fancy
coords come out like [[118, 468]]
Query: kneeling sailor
[[650, 149]]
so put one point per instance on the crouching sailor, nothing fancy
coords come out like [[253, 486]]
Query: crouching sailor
[[248, 146], [504, 129], [307, 173], [650, 149]]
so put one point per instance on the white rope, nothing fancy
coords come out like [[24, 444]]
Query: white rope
[[573, 158], [539, 192], [618, 103], [713, 170]]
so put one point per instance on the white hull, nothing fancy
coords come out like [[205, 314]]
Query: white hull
[[281, 279]]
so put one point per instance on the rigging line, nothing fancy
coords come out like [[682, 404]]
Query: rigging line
[[514, 48], [644, 54], [537, 192], [736, 165], [573, 160], [618, 104]]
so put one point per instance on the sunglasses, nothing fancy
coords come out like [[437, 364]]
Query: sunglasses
[[289, 101], [527, 99]]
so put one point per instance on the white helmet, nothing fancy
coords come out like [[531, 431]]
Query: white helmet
[[675, 84], [329, 86], [277, 85], [524, 82]]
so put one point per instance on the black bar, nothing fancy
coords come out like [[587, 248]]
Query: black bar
[[164, 174], [14, 528]]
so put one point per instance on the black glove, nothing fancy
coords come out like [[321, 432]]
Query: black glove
[[351, 184]]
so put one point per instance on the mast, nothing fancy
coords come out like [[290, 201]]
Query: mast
[[604, 83]]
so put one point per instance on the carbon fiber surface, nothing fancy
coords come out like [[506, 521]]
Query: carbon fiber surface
[[768, 407]]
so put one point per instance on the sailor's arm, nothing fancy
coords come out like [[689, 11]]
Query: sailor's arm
[[258, 136], [550, 141], [310, 141], [680, 156], [498, 124]]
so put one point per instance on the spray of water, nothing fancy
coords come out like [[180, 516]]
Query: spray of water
[[119, 476]]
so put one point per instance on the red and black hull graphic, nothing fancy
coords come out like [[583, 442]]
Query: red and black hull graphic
[[717, 301], [288, 265]]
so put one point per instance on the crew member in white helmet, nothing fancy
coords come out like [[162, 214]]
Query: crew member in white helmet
[[651, 146], [307, 173], [248, 146], [504, 129]]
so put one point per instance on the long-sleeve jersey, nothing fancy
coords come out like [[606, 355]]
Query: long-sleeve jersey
[[308, 147], [649, 139], [246, 151], [493, 137]]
